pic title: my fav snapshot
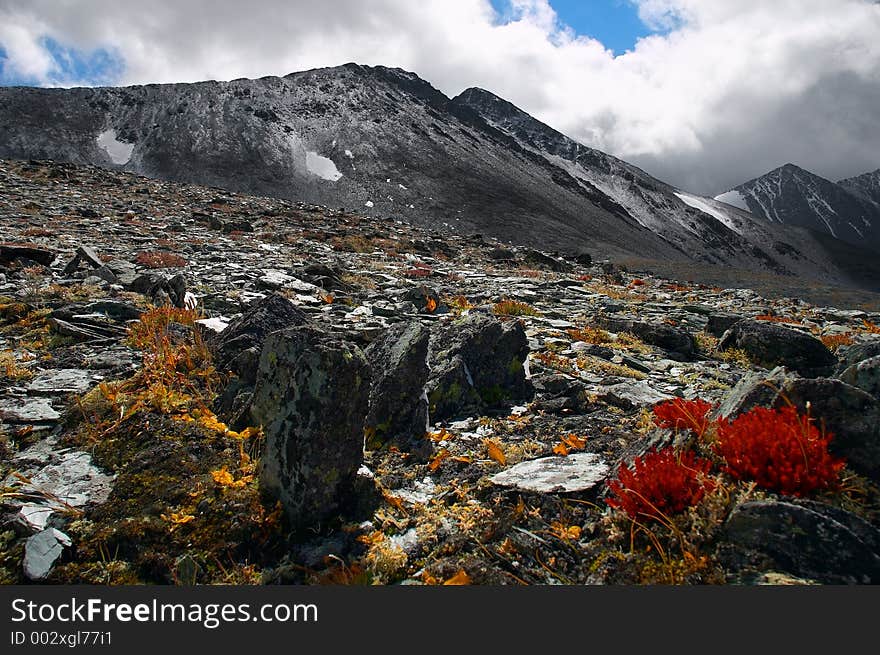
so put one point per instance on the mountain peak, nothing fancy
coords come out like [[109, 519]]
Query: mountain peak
[[792, 195]]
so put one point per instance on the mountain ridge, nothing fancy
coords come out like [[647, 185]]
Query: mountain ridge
[[387, 142]]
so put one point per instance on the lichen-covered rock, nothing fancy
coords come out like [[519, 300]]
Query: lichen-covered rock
[[847, 411], [311, 397], [807, 539], [398, 412], [770, 344], [238, 347], [857, 352], [865, 375], [477, 363]]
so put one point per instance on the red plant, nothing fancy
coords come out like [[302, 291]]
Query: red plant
[[678, 414], [660, 483], [159, 259], [780, 450]]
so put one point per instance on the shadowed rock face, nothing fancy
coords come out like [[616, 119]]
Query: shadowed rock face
[[807, 539], [477, 363], [311, 398], [771, 345], [398, 408]]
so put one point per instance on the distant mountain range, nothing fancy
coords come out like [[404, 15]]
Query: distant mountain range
[[385, 143], [848, 210]]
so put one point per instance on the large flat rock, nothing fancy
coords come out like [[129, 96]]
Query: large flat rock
[[27, 410], [577, 472]]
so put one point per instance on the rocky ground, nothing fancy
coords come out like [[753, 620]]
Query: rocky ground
[[205, 387]]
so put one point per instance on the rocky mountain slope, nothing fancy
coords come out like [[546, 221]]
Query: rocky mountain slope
[[200, 386], [866, 187], [790, 195], [387, 144]]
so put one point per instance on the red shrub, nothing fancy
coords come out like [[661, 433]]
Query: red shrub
[[159, 259], [780, 450], [660, 483], [680, 414]]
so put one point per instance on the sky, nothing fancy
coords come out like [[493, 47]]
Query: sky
[[704, 94]]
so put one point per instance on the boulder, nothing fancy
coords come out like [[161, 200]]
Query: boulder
[[311, 397], [804, 538], [237, 348], [679, 344], [720, 322], [538, 259], [865, 375], [398, 412], [851, 414], [9, 252], [857, 352], [84, 254], [770, 344], [477, 363]]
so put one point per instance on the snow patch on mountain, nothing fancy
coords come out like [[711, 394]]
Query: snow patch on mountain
[[322, 167], [118, 151], [735, 199], [703, 205]]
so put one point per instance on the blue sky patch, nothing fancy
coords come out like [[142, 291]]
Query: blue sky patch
[[615, 23], [71, 66]]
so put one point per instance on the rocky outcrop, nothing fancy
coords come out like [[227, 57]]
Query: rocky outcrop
[[865, 375], [239, 345], [807, 539], [770, 344], [398, 412], [311, 397], [477, 364]]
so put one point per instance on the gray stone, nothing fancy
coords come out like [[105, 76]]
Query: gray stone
[[41, 551], [61, 380], [311, 397], [477, 363], [629, 395], [237, 348], [857, 352], [27, 410], [576, 472], [770, 344], [61, 477], [9, 252], [125, 271], [398, 411], [865, 375], [84, 254], [804, 538], [273, 278]]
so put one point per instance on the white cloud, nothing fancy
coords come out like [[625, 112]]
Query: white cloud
[[734, 89]]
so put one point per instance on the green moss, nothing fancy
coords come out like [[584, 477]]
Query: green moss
[[492, 395]]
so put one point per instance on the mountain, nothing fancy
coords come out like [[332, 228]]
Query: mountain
[[790, 195], [385, 143], [866, 187]]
